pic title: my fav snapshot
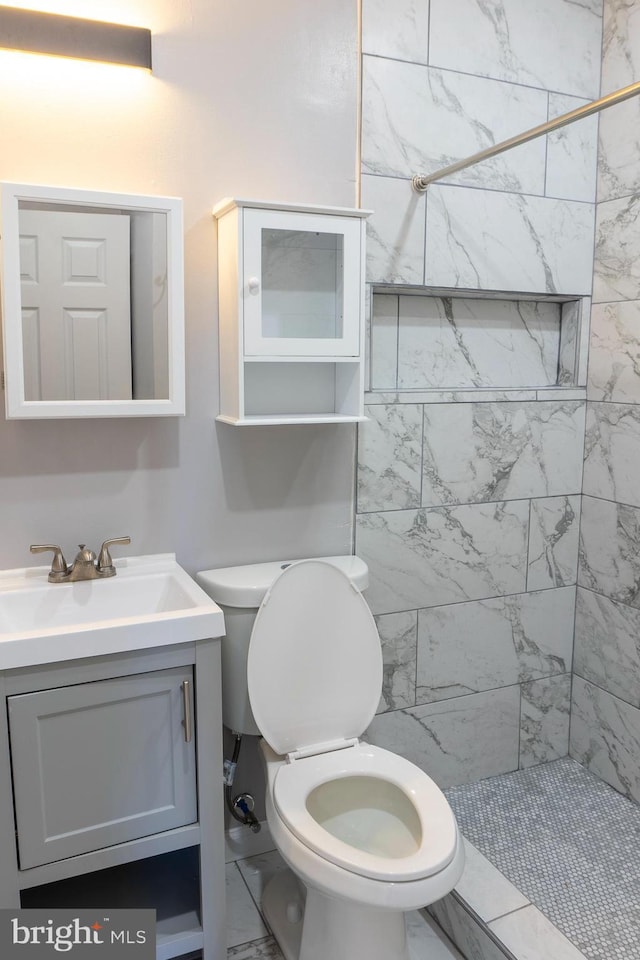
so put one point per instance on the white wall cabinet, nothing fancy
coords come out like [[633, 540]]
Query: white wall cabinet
[[291, 308], [111, 790]]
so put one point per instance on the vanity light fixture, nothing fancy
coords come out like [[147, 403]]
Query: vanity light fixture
[[61, 36]]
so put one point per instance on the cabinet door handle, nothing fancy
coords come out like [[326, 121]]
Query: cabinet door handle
[[186, 702], [254, 285]]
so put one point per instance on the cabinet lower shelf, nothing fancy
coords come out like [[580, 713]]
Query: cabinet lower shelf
[[269, 419], [169, 884]]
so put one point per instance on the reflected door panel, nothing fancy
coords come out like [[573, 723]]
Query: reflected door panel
[[76, 305]]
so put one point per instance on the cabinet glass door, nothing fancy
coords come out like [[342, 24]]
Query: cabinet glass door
[[301, 284]]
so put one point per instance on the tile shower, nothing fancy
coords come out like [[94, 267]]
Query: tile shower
[[503, 577], [470, 466], [468, 516]]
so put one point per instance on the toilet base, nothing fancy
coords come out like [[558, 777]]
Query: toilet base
[[325, 927], [283, 908]]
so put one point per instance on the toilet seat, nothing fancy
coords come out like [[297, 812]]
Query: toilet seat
[[314, 666], [424, 845]]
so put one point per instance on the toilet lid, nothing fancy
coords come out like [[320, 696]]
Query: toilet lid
[[314, 667]]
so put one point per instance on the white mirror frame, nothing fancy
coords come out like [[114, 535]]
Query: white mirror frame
[[17, 407]]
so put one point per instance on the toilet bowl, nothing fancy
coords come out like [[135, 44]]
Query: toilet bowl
[[366, 834], [342, 910]]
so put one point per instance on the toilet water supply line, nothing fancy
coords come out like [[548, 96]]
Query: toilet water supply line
[[240, 807]]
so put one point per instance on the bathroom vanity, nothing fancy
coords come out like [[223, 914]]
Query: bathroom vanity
[[111, 764]]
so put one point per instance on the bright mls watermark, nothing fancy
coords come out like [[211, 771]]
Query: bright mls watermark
[[78, 934]]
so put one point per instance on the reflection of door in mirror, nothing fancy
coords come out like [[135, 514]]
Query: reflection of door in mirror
[[149, 305], [76, 310]]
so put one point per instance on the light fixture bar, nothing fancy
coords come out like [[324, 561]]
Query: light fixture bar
[[49, 33]]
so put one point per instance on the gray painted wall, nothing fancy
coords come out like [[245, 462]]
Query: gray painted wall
[[247, 100]]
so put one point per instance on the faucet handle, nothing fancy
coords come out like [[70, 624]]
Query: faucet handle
[[105, 563], [59, 569]]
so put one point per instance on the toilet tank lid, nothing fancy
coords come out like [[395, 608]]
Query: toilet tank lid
[[246, 586]]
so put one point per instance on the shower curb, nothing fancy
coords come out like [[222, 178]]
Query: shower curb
[[479, 919]]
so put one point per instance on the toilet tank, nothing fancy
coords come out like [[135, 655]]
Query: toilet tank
[[239, 591]]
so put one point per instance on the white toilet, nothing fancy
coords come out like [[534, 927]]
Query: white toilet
[[368, 834]]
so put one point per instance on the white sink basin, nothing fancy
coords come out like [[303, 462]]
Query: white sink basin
[[151, 602]]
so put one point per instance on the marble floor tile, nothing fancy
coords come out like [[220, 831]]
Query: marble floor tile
[[461, 926], [257, 871], [426, 940], [530, 936], [244, 923], [264, 949], [485, 889]]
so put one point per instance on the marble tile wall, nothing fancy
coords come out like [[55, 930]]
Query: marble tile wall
[[605, 711], [426, 342], [470, 465], [443, 79], [468, 518]]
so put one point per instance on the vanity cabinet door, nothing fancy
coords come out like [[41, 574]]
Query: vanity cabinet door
[[101, 763]]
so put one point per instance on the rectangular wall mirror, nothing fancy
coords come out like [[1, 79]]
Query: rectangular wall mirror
[[92, 303]]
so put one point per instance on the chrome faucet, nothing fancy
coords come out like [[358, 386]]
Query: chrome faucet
[[85, 566]]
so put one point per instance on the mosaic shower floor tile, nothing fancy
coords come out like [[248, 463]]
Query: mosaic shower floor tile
[[570, 843]]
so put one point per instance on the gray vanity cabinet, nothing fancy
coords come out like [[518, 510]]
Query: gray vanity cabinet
[[96, 764], [111, 791]]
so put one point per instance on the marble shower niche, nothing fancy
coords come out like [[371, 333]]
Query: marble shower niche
[[441, 340]]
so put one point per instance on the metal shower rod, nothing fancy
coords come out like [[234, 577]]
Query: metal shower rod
[[421, 182]]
